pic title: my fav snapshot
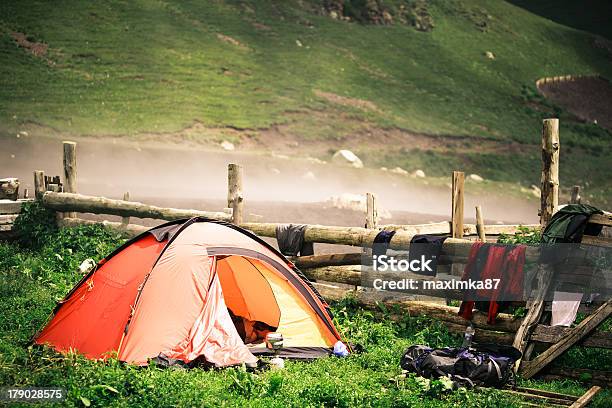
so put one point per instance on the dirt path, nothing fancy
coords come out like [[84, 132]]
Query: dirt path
[[276, 188], [590, 99]]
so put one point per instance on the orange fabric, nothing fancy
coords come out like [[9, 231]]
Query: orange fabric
[[299, 324], [92, 320], [181, 312], [246, 292]]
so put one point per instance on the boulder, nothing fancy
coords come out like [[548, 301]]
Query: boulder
[[309, 175], [347, 157], [399, 170], [227, 145], [419, 173], [476, 178], [490, 55]]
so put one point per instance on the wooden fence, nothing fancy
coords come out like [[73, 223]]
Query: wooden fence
[[526, 334]]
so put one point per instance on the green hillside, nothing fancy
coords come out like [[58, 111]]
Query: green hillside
[[128, 67]]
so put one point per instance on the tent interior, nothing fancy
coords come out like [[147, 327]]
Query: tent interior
[[260, 302]]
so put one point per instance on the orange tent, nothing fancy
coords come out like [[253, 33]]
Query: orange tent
[[192, 289]]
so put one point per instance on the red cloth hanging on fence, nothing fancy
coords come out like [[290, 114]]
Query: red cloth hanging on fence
[[493, 262]]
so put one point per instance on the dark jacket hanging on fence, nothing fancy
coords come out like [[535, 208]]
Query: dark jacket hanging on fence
[[381, 242], [428, 246], [570, 223], [488, 261], [290, 239]]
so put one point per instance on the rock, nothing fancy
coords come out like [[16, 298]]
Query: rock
[[309, 175], [315, 160], [399, 170], [347, 157], [298, 43], [476, 178], [490, 55], [333, 14], [384, 169], [535, 191], [227, 145], [419, 173]]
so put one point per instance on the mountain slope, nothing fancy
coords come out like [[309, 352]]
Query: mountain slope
[[120, 68]]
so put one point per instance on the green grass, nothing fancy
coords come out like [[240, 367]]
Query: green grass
[[124, 68], [37, 272]]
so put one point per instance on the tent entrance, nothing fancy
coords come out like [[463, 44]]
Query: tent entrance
[[249, 298]]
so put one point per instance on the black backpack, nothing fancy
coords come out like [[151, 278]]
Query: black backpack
[[487, 365]]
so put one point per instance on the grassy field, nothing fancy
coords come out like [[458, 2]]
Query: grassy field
[[127, 68], [34, 275]]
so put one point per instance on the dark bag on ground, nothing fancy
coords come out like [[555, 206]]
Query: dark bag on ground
[[487, 365]]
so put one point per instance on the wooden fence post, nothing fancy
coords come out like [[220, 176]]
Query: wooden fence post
[[125, 220], [235, 200], [575, 197], [549, 202], [70, 171], [457, 204], [371, 212], [549, 199], [39, 184], [480, 224]]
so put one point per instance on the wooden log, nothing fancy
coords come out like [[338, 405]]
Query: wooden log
[[553, 334], [575, 195], [234, 192], [480, 224], [602, 378], [494, 229], [573, 336], [457, 204], [549, 200], [317, 261], [369, 300], [435, 228], [12, 207], [348, 275], [126, 220], [371, 212], [597, 241], [586, 397], [535, 308], [601, 219], [542, 399], [39, 184], [70, 171], [8, 219], [481, 335], [546, 393], [100, 205]]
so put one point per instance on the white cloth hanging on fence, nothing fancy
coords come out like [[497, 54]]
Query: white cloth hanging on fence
[[564, 308]]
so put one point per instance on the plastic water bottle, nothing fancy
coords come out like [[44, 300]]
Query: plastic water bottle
[[469, 335], [340, 349]]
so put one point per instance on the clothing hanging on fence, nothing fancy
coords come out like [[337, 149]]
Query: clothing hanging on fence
[[428, 246], [381, 242], [494, 262], [564, 308], [570, 223], [290, 239]]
